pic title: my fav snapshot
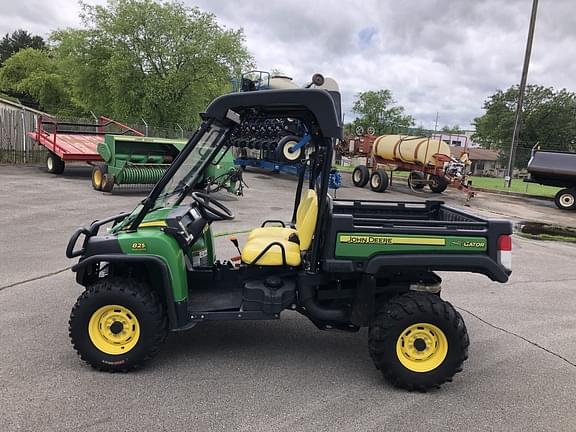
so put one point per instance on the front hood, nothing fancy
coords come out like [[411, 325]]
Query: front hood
[[156, 218]]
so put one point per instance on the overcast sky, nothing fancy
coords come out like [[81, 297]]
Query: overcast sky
[[435, 56]]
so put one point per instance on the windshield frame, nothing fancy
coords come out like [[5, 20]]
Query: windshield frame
[[149, 203], [187, 175]]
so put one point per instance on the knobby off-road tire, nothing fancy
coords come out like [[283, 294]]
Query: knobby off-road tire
[[418, 341], [360, 176], [54, 164], [117, 324]]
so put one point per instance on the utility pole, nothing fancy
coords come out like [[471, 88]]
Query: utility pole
[[518, 116]]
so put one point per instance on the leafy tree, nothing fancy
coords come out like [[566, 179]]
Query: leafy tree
[[378, 109], [161, 61], [35, 76], [454, 130], [348, 128], [420, 131], [18, 40], [548, 118]]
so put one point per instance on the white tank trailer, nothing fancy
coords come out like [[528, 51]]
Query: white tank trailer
[[411, 149], [428, 160], [555, 168]]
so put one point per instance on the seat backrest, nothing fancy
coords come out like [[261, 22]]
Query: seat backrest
[[306, 217], [302, 208]]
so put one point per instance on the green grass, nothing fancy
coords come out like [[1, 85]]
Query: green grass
[[342, 168], [350, 168], [517, 185]]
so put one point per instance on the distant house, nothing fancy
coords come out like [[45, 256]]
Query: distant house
[[484, 162], [461, 139]]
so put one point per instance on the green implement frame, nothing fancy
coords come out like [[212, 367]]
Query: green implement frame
[[144, 160]]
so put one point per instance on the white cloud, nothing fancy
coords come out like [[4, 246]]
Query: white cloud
[[435, 56]]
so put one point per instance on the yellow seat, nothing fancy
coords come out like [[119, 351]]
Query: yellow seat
[[272, 231], [306, 218], [286, 232], [273, 256]]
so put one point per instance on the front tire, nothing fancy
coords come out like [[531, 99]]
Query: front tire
[[54, 164], [418, 341], [117, 325], [97, 177], [565, 199], [360, 176]]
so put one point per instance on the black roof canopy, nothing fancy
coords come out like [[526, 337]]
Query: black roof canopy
[[309, 105]]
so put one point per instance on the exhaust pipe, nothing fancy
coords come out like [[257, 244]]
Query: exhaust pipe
[[307, 297]]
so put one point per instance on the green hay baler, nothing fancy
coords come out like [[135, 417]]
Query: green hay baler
[[144, 160]]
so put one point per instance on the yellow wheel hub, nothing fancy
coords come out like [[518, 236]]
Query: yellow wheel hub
[[114, 329], [97, 176], [422, 347]]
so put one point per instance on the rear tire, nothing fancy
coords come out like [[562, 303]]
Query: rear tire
[[107, 183], [54, 164], [360, 176], [98, 173], [416, 180], [565, 199], [418, 341], [379, 181], [117, 324], [437, 184]]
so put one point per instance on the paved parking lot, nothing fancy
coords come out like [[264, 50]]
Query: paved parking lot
[[275, 376]]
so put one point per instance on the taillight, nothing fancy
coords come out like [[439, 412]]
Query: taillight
[[505, 243], [505, 251]]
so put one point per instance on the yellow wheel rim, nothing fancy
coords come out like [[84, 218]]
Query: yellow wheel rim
[[97, 177], [114, 329], [422, 347]]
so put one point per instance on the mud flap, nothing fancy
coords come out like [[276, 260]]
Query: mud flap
[[363, 305]]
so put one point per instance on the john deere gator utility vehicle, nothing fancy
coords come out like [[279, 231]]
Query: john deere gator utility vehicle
[[344, 264]]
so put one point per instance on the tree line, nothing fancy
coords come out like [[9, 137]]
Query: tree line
[[548, 119], [165, 62], [134, 59]]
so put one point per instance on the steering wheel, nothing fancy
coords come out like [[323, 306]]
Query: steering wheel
[[212, 209]]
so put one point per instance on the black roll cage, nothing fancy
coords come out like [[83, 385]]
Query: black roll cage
[[317, 109]]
